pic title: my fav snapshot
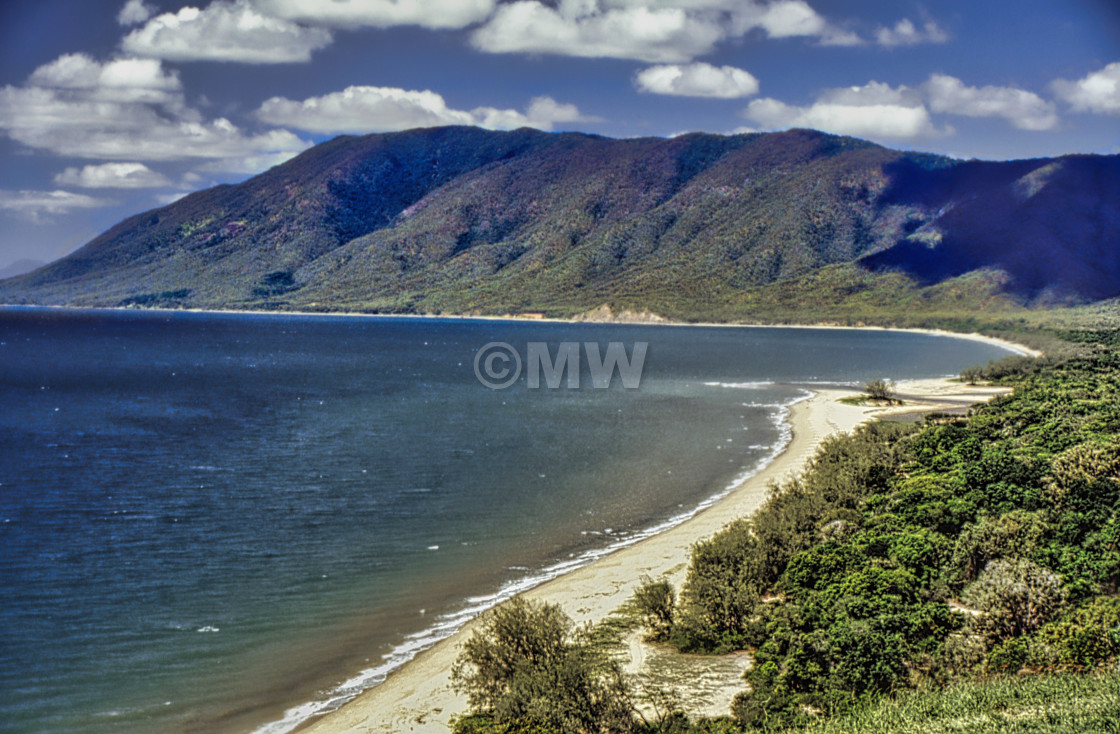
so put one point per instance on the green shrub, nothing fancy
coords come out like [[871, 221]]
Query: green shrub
[[1015, 597], [1014, 534], [655, 600], [527, 668], [1087, 637]]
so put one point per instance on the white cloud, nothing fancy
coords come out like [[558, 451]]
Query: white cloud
[[1025, 110], [128, 110], [542, 113], [121, 81], [247, 164], [1097, 92], [905, 33], [34, 205], [363, 110], [647, 34], [86, 128], [112, 176], [874, 110], [780, 19], [697, 80], [381, 109], [380, 13], [658, 31], [225, 31], [134, 11]]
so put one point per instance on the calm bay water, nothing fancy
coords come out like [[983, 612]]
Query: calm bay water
[[206, 519]]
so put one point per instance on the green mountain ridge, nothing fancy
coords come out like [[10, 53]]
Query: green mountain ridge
[[462, 220]]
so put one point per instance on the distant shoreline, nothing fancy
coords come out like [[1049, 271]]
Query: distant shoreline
[[1015, 347]]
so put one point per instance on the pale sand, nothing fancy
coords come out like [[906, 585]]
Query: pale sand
[[418, 696]]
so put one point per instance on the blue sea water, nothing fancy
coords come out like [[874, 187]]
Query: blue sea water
[[227, 522]]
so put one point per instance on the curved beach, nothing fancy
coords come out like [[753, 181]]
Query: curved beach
[[418, 697]]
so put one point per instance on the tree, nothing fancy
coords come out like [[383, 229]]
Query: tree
[[973, 374], [880, 390], [528, 666]]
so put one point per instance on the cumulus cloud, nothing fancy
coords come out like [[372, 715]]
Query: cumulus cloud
[[360, 109], [782, 19], [657, 31], [127, 110], [120, 81], [905, 33], [874, 110], [1097, 92], [381, 13], [1025, 110], [225, 31], [647, 34], [112, 176], [134, 11], [697, 80], [37, 205]]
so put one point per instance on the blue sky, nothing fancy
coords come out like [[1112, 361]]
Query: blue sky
[[110, 108]]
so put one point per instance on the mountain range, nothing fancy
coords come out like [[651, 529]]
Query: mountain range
[[464, 220]]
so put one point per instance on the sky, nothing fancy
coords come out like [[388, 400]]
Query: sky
[[109, 108]]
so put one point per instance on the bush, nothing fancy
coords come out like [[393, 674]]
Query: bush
[[1016, 598], [1009, 656], [723, 589], [1088, 637], [962, 652], [528, 668], [1013, 534], [654, 600]]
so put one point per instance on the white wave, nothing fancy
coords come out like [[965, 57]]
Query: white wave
[[829, 383]]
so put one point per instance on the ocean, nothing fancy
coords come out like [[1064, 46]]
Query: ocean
[[230, 522]]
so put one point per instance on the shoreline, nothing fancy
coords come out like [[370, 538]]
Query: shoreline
[[417, 696], [1014, 347], [414, 693]]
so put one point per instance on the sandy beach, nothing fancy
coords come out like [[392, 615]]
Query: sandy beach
[[418, 696]]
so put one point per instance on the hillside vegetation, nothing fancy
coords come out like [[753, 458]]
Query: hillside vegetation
[[781, 226], [948, 576]]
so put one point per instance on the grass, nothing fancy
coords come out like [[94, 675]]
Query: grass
[[1056, 704]]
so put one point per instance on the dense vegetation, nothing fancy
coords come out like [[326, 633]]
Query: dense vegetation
[[917, 574], [794, 226]]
